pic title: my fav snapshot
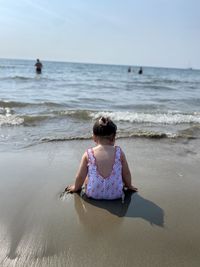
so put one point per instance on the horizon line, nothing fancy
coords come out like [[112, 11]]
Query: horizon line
[[96, 63]]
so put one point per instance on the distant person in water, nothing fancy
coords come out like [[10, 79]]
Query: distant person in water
[[140, 70], [38, 67], [129, 69]]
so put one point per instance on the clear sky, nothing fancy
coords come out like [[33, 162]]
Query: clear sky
[[144, 32]]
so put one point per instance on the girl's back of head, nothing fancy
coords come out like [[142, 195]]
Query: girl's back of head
[[104, 128]]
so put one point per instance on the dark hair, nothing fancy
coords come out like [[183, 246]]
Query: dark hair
[[104, 127]]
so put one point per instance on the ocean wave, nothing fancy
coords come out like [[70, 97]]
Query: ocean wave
[[191, 132], [156, 118], [148, 135], [134, 117], [6, 111], [34, 119], [13, 120], [16, 104], [26, 78], [10, 120], [77, 114], [7, 67], [159, 87], [6, 117], [17, 78], [162, 80], [12, 104], [120, 135], [87, 115], [62, 139]]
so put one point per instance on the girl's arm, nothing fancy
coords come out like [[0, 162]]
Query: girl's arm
[[80, 176], [126, 174]]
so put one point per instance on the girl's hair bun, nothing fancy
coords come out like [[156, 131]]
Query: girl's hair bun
[[104, 126], [103, 121]]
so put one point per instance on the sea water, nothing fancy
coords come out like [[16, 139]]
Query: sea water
[[63, 102]]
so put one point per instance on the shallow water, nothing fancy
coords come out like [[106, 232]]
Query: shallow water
[[63, 102]]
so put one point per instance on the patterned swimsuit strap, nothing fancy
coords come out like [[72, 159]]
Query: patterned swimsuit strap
[[118, 154], [90, 155]]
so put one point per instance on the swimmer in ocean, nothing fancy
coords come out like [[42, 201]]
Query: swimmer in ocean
[[38, 67], [140, 70]]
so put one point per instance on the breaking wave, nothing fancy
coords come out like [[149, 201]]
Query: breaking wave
[[10, 120], [16, 104], [156, 118], [8, 116]]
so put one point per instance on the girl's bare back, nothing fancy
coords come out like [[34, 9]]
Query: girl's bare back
[[105, 158]]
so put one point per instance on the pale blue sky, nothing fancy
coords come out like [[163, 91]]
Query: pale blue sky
[[142, 32]]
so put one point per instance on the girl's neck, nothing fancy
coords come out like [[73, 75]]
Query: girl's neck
[[105, 143]]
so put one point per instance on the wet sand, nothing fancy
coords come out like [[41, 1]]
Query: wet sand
[[158, 226]]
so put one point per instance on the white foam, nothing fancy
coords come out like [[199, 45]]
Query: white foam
[[159, 118], [9, 119], [5, 110]]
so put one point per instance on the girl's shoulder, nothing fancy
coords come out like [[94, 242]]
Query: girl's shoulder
[[85, 155], [121, 153], [89, 150], [89, 153], [119, 149]]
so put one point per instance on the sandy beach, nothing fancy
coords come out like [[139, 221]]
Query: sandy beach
[[158, 226]]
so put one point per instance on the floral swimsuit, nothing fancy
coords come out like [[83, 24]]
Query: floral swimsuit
[[99, 187]]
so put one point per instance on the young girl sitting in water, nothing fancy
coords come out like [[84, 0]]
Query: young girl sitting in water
[[103, 168]]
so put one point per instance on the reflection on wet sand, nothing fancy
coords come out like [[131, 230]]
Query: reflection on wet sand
[[134, 206]]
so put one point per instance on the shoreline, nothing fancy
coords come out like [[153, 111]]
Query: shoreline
[[158, 226]]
